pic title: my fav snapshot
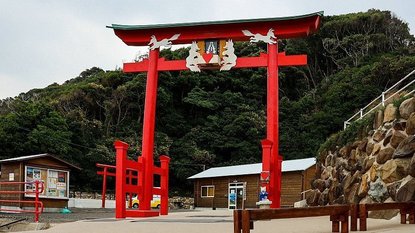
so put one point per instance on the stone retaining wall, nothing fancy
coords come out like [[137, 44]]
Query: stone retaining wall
[[377, 168]]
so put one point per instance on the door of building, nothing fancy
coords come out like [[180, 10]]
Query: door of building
[[236, 195]]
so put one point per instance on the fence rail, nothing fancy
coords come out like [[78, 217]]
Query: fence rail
[[38, 205], [405, 85]]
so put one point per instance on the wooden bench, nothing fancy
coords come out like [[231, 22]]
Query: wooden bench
[[361, 212], [244, 219]]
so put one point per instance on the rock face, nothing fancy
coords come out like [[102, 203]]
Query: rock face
[[378, 191], [394, 170], [397, 137], [406, 190], [410, 124], [364, 186], [378, 119], [406, 148], [377, 167], [384, 155], [379, 135], [390, 113], [411, 168], [406, 108]]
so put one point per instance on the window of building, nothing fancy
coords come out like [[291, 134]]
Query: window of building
[[208, 191], [56, 182]]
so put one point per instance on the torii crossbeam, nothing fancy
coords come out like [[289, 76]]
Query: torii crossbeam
[[214, 40]]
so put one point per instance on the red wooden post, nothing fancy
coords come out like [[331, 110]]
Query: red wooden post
[[164, 185], [140, 178], [121, 159], [148, 130], [246, 222], [403, 216], [104, 187], [354, 212], [237, 221], [362, 217], [37, 212], [272, 123]]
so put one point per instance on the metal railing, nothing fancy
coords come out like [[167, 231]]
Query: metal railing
[[405, 85], [38, 205]]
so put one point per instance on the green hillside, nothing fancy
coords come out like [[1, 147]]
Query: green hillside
[[214, 118]]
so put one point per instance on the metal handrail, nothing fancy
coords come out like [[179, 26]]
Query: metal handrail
[[383, 100]]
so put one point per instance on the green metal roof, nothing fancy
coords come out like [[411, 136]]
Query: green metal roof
[[153, 26]]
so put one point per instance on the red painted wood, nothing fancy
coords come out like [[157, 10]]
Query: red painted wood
[[121, 156], [104, 187], [283, 29], [242, 62], [164, 185], [148, 129], [141, 213], [272, 120]]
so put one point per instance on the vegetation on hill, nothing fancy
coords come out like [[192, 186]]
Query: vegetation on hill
[[214, 118]]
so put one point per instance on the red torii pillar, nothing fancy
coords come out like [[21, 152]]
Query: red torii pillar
[[272, 125], [147, 177], [288, 27]]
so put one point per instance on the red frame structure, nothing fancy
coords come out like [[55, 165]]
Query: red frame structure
[[38, 205], [139, 35]]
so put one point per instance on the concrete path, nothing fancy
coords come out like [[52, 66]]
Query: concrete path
[[201, 221]]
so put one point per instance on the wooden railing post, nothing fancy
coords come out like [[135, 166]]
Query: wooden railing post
[[37, 201], [104, 187], [362, 217], [354, 211], [246, 225], [237, 221]]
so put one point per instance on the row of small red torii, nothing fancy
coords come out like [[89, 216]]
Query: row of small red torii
[[199, 35]]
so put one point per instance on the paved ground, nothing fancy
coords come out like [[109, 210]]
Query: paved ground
[[209, 221]]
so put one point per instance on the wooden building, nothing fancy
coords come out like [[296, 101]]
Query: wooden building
[[51, 170], [213, 187]]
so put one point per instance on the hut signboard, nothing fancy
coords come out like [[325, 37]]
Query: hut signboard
[[55, 181]]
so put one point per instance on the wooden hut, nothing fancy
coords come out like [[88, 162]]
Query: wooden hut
[[213, 187]]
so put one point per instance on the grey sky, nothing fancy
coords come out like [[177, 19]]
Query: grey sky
[[47, 41]]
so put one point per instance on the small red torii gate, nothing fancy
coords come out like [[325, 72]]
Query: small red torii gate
[[215, 40]]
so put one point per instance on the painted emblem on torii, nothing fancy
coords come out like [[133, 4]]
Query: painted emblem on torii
[[195, 58]]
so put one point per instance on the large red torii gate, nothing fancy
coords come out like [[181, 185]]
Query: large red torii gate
[[212, 36]]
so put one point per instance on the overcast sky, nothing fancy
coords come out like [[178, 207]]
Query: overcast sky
[[47, 41]]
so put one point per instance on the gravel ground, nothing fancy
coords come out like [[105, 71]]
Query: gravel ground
[[76, 215]]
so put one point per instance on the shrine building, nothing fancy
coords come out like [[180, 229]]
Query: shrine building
[[215, 186]]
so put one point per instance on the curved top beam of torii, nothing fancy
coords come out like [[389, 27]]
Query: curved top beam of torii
[[285, 27]]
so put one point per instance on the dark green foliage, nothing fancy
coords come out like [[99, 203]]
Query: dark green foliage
[[355, 131], [216, 118]]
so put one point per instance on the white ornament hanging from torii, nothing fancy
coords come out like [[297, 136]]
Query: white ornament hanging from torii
[[268, 38], [167, 43]]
